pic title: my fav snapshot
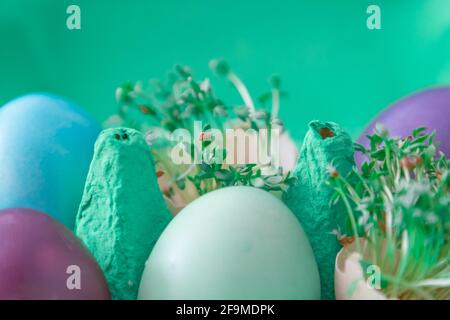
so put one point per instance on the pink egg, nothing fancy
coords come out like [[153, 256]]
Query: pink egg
[[41, 259]]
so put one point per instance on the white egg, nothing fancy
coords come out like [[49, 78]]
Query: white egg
[[233, 243]]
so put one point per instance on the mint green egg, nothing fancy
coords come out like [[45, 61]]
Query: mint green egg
[[233, 243]]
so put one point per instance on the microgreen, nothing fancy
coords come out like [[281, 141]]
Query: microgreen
[[398, 201], [177, 102]]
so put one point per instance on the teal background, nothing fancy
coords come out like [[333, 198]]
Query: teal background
[[333, 67]]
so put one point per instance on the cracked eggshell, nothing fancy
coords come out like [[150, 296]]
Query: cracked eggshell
[[348, 278]]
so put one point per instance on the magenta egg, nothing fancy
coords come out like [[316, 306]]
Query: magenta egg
[[42, 259], [429, 108]]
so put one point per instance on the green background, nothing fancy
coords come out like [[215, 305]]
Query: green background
[[333, 67]]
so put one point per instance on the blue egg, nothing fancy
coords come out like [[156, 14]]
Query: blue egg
[[46, 146]]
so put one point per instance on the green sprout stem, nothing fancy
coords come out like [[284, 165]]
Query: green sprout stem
[[242, 89], [350, 215], [275, 103]]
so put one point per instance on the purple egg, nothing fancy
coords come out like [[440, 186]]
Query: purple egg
[[429, 108], [42, 259]]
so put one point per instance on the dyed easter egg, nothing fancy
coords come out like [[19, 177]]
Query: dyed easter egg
[[429, 108], [42, 259], [46, 145], [232, 243]]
